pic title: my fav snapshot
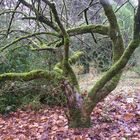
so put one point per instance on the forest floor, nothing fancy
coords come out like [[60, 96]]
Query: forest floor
[[115, 118]]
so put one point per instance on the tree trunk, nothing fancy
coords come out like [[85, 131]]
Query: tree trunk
[[76, 119], [75, 113]]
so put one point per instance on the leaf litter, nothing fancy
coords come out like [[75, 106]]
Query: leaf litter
[[115, 118]]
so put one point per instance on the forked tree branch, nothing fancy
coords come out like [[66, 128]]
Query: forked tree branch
[[95, 95], [41, 17]]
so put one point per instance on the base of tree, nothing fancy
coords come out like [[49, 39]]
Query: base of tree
[[78, 123], [76, 120]]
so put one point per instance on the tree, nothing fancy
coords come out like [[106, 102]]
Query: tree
[[79, 109]]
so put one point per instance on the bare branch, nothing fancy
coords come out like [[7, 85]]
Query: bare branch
[[90, 5], [11, 11], [40, 17], [28, 36], [13, 14], [86, 19]]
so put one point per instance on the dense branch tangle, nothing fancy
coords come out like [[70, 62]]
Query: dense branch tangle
[[79, 109]]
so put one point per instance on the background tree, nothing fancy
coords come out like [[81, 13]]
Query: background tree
[[51, 33]]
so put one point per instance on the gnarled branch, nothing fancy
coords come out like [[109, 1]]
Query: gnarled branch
[[28, 76], [104, 30]]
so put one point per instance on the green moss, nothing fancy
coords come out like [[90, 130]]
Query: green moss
[[111, 78], [59, 44], [73, 59], [27, 76], [57, 68], [76, 119], [116, 68], [66, 40], [69, 73], [87, 29]]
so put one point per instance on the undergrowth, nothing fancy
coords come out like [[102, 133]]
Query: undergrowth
[[14, 95]]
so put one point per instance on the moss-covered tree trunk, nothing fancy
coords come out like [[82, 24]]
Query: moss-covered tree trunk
[[78, 120], [74, 111], [79, 116]]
